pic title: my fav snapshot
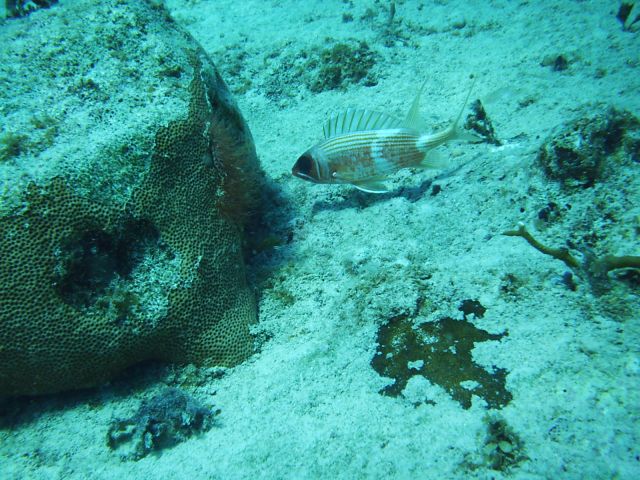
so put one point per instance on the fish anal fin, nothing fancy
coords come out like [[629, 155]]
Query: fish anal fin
[[434, 159]]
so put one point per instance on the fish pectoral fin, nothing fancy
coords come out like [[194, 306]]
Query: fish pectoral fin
[[371, 187]]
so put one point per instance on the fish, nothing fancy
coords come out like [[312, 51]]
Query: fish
[[364, 147]]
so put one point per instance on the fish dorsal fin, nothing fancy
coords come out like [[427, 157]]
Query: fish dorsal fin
[[356, 120], [413, 119]]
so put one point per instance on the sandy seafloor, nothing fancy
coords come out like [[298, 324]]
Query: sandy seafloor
[[307, 405]]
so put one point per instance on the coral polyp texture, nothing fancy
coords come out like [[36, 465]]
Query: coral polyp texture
[[122, 235]]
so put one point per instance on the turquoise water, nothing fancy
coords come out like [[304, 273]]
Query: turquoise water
[[414, 301]]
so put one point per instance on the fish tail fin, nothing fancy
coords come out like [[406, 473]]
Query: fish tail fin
[[428, 141]]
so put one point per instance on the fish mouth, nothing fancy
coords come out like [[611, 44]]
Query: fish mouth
[[304, 168]]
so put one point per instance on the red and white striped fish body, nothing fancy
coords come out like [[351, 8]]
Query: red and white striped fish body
[[362, 148], [366, 156]]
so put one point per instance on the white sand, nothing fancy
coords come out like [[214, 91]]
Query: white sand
[[307, 405]]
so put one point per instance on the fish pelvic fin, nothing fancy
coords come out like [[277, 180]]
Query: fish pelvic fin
[[371, 186]]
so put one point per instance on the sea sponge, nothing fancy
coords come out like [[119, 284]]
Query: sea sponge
[[577, 154], [163, 421], [130, 248], [343, 64]]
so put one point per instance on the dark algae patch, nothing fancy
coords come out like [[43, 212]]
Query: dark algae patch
[[341, 65], [441, 352]]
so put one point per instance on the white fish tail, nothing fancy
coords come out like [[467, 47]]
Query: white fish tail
[[430, 141]]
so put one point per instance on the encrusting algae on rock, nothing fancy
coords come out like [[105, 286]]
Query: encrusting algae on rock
[[132, 249]]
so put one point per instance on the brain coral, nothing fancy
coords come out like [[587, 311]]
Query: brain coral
[[121, 237]]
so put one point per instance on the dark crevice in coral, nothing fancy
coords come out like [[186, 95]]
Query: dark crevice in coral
[[95, 258], [20, 8]]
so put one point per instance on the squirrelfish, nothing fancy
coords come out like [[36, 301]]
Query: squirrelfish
[[364, 147]]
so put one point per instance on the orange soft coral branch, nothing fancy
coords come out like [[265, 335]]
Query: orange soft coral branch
[[591, 267]]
